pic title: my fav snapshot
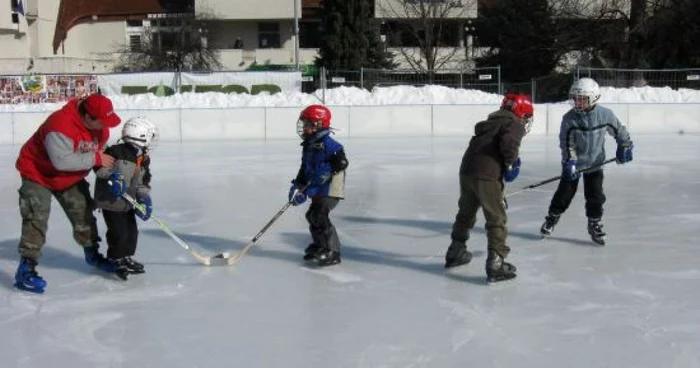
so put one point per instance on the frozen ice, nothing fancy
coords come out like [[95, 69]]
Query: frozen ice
[[631, 303]]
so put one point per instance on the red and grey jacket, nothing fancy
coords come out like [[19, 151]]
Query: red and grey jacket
[[62, 151]]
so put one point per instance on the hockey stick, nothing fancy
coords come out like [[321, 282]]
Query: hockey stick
[[543, 182], [205, 260], [235, 258]]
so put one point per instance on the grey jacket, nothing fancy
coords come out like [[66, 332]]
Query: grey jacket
[[582, 136], [134, 166]]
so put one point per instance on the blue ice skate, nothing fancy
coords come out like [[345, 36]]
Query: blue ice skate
[[94, 258], [27, 278]]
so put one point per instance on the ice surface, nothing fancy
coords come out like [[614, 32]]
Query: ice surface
[[632, 303]]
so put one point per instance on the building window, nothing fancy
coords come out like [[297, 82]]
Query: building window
[[135, 42], [15, 18], [268, 35], [134, 23]]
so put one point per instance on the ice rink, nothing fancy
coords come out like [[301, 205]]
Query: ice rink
[[632, 303]]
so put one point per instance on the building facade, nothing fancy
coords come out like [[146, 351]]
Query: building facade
[[84, 36]]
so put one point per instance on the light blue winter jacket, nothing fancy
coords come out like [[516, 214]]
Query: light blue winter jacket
[[582, 136]]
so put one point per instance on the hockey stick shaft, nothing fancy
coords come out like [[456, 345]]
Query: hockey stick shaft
[[233, 259], [203, 259], [238, 256], [547, 181]]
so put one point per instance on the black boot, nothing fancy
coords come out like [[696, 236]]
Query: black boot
[[497, 269], [133, 265], [550, 221], [457, 255], [310, 251], [595, 229], [120, 268], [327, 257]]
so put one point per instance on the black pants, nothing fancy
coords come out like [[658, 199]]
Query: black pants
[[592, 190], [322, 230], [122, 233]]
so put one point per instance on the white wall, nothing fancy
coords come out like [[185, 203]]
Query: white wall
[[88, 39], [182, 125], [248, 9]]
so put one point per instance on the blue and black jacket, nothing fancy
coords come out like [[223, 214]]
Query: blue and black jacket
[[323, 165]]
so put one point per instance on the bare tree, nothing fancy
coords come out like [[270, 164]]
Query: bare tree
[[426, 33], [610, 32], [172, 43]]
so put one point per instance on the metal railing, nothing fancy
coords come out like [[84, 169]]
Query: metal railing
[[626, 78], [549, 88], [486, 79]]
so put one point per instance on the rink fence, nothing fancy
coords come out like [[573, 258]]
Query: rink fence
[[190, 124]]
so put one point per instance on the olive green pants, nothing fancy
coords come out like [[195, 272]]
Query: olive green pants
[[35, 208], [487, 195]]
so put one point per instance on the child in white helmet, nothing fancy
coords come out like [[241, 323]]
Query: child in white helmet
[[582, 142], [130, 174]]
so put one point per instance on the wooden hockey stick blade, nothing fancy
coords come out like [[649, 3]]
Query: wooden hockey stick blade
[[203, 259]]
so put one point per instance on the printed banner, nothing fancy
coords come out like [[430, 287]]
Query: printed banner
[[165, 84], [45, 88]]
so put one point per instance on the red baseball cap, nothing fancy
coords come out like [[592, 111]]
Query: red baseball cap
[[100, 107]]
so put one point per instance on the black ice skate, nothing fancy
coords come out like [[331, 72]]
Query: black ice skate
[[498, 269], [310, 251], [120, 268], [595, 229], [327, 257], [457, 255], [134, 266], [550, 221]]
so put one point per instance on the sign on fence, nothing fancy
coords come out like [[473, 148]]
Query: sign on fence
[[167, 83], [45, 88]]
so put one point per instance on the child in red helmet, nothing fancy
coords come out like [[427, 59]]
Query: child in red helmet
[[321, 177], [492, 157]]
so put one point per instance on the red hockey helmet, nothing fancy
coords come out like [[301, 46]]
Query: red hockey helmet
[[312, 119], [521, 106]]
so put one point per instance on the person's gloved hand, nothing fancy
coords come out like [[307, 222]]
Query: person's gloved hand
[[512, 171], [117, 185], [147, 205], [570, 170], [624, 153], [296, 196]]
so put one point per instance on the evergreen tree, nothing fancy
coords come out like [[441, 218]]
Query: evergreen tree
[[664, 47], [522, 37], [352, 40]]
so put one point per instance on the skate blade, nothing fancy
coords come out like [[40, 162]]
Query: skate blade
[[23, 287], [457, 264], [494, 279], [122, 274]]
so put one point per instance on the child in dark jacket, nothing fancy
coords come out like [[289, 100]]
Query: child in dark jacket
[[321, 177], [493, 156], [130, 174]]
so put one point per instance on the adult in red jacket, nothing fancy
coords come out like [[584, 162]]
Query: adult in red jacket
[[54, 163]]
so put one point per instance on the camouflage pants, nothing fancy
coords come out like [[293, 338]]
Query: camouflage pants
[[35, 207], [487, 195]]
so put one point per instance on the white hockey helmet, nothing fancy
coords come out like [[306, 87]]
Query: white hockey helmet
[[140, 132], [584, 94]]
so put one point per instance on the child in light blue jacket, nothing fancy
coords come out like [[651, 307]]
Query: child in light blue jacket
[[582, 143]]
